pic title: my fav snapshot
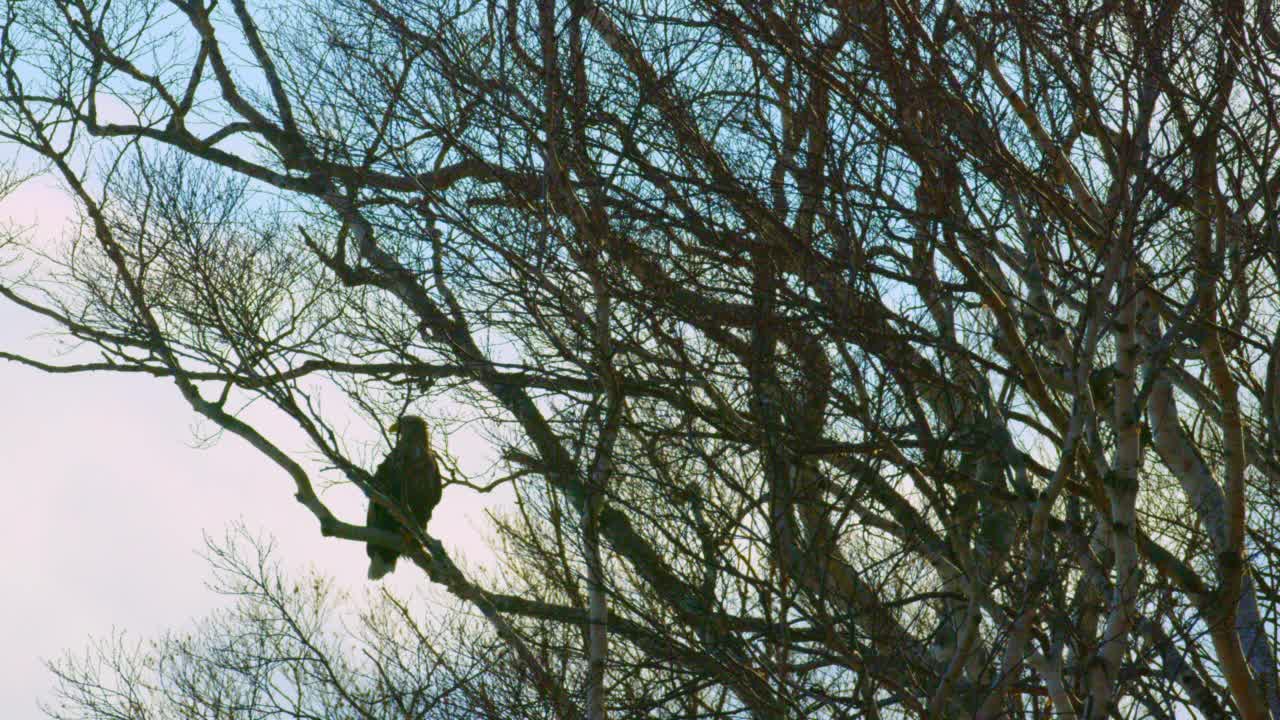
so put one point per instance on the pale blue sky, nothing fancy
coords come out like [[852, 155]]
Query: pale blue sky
[[107, 499]]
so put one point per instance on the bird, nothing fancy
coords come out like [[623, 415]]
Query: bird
[[410, 477]]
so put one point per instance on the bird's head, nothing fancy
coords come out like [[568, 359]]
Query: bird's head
[[411, 430]]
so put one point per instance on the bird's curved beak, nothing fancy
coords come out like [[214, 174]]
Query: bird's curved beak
[[395, 427]]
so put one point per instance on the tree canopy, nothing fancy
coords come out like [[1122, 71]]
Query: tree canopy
[[845, 359]]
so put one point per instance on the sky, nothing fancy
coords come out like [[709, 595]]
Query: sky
[[108, 496]]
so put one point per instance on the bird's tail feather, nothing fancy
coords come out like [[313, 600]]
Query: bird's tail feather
[[379, 566]]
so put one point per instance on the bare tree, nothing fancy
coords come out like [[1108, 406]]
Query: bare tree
[[291, 647], [846, 359]]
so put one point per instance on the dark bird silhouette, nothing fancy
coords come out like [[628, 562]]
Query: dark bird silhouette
[[411, 478]]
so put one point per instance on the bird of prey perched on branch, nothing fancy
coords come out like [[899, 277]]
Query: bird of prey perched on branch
[[411, 478]]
